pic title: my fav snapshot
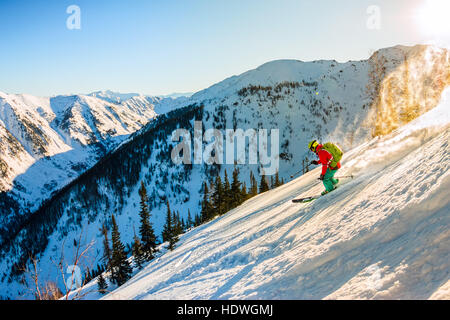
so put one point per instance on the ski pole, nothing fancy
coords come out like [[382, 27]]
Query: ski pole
[[350, 176], [296, 173], [341, 177]]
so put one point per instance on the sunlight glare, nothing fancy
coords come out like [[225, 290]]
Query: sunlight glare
[[434, 17]]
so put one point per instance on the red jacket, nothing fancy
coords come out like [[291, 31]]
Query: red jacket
[[325, 159]]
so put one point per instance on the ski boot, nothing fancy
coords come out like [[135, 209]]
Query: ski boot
[[327, 192]]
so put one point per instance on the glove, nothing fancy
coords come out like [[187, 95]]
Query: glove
[[321, 177], [315, 162]]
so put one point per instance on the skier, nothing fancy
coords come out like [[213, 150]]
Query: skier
[[329, 156]]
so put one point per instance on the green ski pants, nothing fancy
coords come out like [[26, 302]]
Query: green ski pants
[[329, 181]]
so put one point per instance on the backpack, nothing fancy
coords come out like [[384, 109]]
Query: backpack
[[335, 151]]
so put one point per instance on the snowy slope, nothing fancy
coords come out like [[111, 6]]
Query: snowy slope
[[384, 235]]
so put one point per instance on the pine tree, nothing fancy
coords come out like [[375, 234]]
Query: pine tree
[[148, 238], [218, 197], [101, 283], [207, 210], [253, 185], [121, 269], [88, 275], [203, 206], [277, 180], [178, 224], [198, 220], [138, 253], [227, 194], [107, 254], [169, 229], [244, 194], [189, 222], [183, 225], [263, 186], [236, 190]]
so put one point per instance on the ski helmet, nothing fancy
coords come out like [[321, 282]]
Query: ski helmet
[[313, 145]]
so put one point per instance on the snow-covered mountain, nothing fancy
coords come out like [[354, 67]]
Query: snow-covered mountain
[[113, 97], [383, 235], [176, 95], [162, 104], [47, 142], [349, 103]]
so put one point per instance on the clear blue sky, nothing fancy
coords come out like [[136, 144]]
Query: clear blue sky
[[164, 46]]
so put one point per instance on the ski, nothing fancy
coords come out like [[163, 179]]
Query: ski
[[309, 199], [305, 200]]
